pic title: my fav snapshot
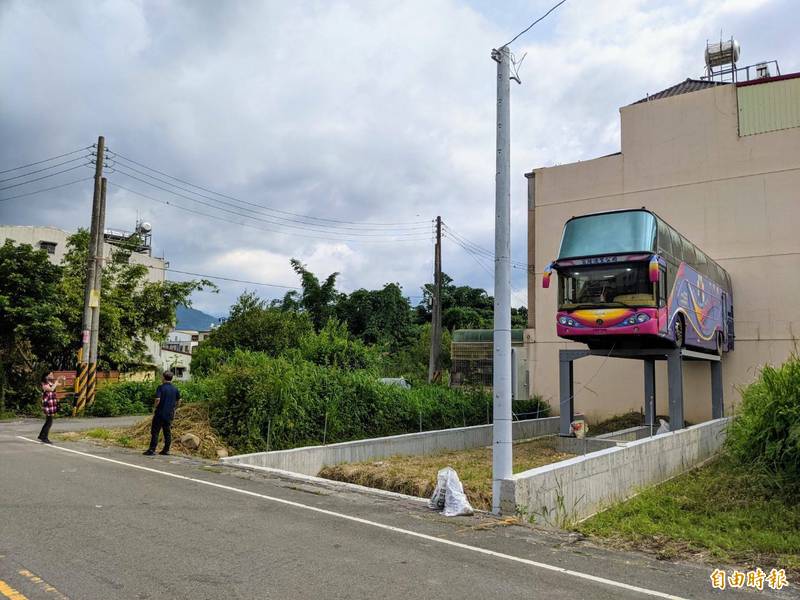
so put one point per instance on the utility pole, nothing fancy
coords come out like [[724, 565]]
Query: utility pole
[[89, 295], [98, 280], [502, 437], [435, 362]]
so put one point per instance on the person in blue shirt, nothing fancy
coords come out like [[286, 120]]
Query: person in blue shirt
[[168, 397]]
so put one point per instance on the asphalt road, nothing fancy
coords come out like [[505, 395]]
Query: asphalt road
[[91, 522]]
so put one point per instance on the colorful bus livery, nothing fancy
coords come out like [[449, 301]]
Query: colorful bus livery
[[627, 279]]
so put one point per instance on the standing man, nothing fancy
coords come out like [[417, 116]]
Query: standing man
[[168, 397]]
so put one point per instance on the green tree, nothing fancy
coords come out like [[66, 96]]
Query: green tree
[[252, 325], [378, 316], [317, 299], [31, 331], [132, 308]]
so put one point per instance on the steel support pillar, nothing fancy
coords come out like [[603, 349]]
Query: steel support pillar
[[649, 392], [717, 406], [675, 386], [567, 393]]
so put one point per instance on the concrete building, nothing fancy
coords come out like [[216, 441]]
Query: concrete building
[[54, 241], [721, 163]]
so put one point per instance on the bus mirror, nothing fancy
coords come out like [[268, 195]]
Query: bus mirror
[[653, 269], [548, 271]]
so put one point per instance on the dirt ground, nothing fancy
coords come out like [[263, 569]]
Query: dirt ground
[[416, 475]]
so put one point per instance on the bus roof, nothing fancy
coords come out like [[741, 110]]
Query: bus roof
[[647, 210]]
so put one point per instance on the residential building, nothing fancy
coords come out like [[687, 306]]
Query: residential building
[[720, 162]]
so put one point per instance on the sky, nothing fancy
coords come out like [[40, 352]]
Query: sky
[[331, 132]]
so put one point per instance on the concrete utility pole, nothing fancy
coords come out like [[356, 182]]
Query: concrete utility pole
[[90, 296], [435, 362], [501, 448], [98, 280]]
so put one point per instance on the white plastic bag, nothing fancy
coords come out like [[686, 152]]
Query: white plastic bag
[[663, 428], [437, 500], [449, 495]]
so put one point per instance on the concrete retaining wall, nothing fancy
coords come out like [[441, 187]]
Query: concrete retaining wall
[[571, 490], [311, 459]]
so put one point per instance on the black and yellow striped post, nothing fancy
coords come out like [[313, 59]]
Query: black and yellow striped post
[[91, 384], [79, 387]]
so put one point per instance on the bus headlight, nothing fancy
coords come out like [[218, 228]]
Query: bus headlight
[[642, 317], [562, 320], [571, 323]]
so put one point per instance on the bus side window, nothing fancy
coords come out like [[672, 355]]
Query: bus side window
[[677, 248], [662, 287], [664, 240], [688, 253]]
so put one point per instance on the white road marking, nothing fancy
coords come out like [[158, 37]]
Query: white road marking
[[330, 513]]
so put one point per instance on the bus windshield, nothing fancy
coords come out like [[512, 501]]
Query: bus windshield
[[609, 233], [618, 285]]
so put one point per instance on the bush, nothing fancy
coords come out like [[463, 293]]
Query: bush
[[765, 436], [259, 402], [136, 397], [333, 347], [127, 398]]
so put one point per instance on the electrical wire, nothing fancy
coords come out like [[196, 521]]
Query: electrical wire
[[219, 218], [47, 189], [268, 221], [529, 27], [221, 278], [292, 214], [39, 162], [479, 249], [8, 187], [279, 221], [44, 169]]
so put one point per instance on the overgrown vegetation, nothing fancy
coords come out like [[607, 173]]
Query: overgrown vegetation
[[742, 508], [765, 436]]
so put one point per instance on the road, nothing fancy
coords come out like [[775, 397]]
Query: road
[[81, 521]]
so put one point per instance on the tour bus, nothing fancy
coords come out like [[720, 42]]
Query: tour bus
[[626, 279]]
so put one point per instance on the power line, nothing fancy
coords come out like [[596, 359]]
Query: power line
[[8, 187], [39, 162], [270, 218], [248, 215], [481, 250], [47, 189], [529, 27], [232, 279], [219, 218], [292, 214], [44, 169]]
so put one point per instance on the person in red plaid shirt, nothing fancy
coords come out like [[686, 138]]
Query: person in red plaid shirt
[[49, 405]]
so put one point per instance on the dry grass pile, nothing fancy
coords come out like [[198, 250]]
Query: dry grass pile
[[189, 418], [416, 475]]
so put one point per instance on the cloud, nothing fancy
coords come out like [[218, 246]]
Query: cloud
[[351, 112]]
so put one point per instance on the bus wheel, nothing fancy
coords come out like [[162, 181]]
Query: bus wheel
[[680, 332]]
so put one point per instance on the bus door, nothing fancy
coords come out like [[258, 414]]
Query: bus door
[[662, 300], [727, 319]]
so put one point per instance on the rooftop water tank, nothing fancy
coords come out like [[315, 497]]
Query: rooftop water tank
[[722, 53]]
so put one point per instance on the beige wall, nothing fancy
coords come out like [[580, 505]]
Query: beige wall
[[26, 234], [737, 198]]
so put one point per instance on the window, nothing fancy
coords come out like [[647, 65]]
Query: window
[[49, 247], [664, 240], [677, 245], [609, 233], [620, 285]]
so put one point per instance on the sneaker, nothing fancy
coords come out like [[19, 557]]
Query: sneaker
[[163, 453], [149, 453], [45, 441]]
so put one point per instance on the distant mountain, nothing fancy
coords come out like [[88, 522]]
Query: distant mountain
[[197, 320]]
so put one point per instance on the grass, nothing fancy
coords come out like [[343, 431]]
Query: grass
[[416, 475], [718, 512]]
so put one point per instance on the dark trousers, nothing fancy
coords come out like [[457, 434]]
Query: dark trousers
[[159, 424], [45, 432]]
